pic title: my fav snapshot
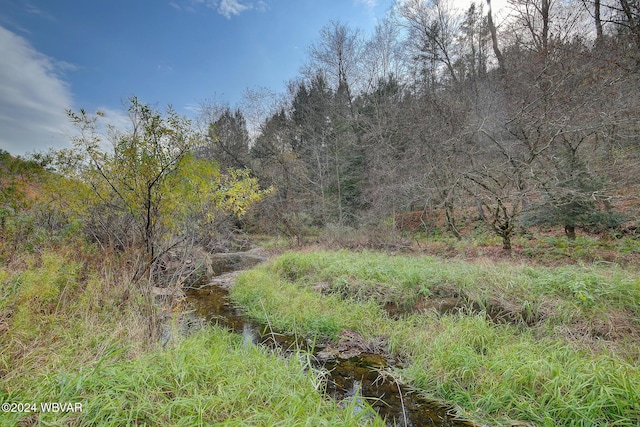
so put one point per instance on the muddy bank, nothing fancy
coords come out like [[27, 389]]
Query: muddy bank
[[499, 312], [236, 261]]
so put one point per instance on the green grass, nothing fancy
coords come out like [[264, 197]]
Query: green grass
[[583, 249], [57, 312], [306, 312], [76, 330], [209, 378], [492, 372], [500, 374], [562, 295], [546, 247]]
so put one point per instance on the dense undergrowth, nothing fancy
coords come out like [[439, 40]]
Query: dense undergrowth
[[545, 345]]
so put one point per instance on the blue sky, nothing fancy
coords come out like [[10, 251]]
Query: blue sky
[[56, 55]]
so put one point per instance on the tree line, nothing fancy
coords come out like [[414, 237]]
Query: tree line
[[525, 117], [528, 118]]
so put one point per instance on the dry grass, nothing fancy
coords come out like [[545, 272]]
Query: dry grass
[[62, 308]]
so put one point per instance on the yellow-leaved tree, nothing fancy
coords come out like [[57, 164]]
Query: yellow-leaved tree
[[146, 191]]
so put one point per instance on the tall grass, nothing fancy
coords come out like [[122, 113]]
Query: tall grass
[[494, 373], [76, 330], [291, 309], [562, 295], [508, 375], [209, 378], [60, 310]]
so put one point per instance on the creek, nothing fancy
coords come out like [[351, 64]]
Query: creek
[[350, 374]]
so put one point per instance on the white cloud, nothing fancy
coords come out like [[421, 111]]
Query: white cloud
[[119, 119], [112, 120], [261, 6], [33, 97], [370, 3], [231, 7], [226, 8], [34, 10]]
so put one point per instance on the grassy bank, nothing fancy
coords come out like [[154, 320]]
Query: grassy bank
[[558, 348], [76, 330], [209, 378]]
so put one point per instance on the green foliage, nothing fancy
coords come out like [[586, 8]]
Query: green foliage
[[598, 220], [150, 183], [228, 140], [137, 176], [200, 192], [40, 285], [34, 295], [18, 181], [583, 249], [15, 178], [573, 201]]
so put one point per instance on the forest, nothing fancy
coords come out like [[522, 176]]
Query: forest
[[457, 193], [439, 113]]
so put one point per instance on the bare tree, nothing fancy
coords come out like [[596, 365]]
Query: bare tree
[[433, 28], [540, 25], [382, 56], [337, 55], [474, 37], [494, 39], [631, 20]]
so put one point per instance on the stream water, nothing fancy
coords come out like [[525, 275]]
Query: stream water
[[357, 376]]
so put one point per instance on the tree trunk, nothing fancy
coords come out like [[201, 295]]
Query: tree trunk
[[570, 231], [494, 40], [633, 23], [506, 241], [148, 232], [451, 220], [598, 22], [298, 231], [546, 6], [481, 214]]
